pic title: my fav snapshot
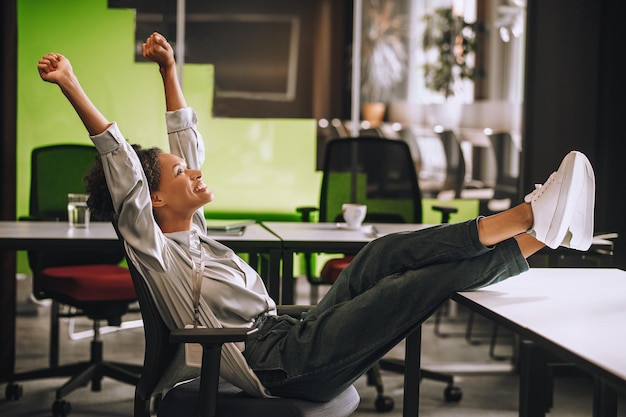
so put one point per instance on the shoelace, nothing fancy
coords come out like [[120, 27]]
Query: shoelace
[[539, 189]]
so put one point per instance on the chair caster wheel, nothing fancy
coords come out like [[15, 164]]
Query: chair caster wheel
[[13, 391], [383, 403], [61, 408], [452, 394]]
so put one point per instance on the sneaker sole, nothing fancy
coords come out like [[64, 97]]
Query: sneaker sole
[[581, 237], [574, 166]]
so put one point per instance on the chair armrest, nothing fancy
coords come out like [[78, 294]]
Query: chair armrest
[[445, 212], [293, 310], [206, 336], [305, 213], [211, 341]]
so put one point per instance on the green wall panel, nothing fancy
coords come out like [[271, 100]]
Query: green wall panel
[[252, 165]]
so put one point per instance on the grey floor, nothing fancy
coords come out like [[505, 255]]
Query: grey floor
[[489, 386]]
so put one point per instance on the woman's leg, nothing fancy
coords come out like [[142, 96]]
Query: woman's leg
[[440, 244], [528, 245], [396, 282], [318, 357], [495, 228], [392, 285], [501, 226]]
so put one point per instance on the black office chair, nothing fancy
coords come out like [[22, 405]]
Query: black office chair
[[207, 395], [79, 283], [380, 173], [507, 159], [377, 172], [456, 169]]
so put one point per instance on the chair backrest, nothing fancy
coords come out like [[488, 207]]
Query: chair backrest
[[455, 162], [507, 157], [159, 352], [377, 172], [57, 170]]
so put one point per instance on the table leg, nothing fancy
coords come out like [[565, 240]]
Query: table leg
[[534, 381], [267, 264], [286, 278], [8, 288], [604, 399], [412, 370]]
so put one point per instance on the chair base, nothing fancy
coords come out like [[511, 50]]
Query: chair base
[[451, 393], [81, 374]]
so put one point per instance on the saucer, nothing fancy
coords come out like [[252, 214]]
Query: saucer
[[344, 226]]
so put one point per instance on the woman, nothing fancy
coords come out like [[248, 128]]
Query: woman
[[390, 287]]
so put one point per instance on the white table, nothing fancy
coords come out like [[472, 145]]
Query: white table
[[577, 315], [333, 236], [324, 237]]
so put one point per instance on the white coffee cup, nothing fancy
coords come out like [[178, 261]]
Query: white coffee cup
[[77, 211], [353, 214]]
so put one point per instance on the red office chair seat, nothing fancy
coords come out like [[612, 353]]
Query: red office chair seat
[[333, 268], [89, 283]]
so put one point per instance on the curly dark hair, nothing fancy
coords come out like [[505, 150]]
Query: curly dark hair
[[99, 201]]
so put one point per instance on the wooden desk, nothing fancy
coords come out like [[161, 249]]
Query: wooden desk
[[257, 241], [578, 315]]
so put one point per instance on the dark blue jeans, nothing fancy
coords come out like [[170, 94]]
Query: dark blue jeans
[[392, 285]]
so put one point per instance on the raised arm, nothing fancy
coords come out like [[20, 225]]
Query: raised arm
[[184, 139], [57, 69], [157, 49]]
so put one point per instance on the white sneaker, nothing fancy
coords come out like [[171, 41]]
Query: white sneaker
[[580, 232], [554, 203]]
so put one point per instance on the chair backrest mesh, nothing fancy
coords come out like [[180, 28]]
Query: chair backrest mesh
[[56, 171], [455, 162], [377, 172], [507, 159]]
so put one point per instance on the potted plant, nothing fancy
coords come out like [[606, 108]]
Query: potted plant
[[448, 42], [383, 56]]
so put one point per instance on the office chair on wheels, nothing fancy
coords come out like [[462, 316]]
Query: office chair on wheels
[[205, 393], [456, 180], [84, 283], [507, 160], [380, 173]]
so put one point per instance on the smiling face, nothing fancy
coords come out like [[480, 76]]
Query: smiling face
[[181, 190]]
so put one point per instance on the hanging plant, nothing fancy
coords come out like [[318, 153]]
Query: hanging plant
[[448, 40]]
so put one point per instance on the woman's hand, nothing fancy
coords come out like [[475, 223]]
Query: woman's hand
[[157, 49], [53, 67]]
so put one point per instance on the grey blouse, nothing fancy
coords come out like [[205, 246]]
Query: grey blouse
[[233, 294]]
